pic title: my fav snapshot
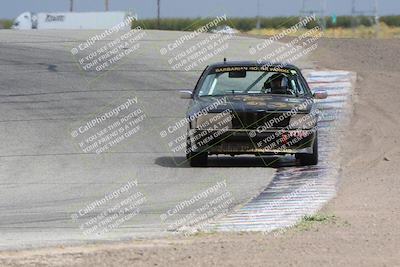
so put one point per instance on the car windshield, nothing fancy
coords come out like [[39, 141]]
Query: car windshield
[[251, 80]]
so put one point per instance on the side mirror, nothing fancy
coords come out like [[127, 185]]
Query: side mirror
[[320, 94], [186, 94]]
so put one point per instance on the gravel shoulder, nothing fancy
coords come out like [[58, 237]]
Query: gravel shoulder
[[365, 231]]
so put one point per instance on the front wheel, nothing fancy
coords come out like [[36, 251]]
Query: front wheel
[[309, 159], [199, 159]]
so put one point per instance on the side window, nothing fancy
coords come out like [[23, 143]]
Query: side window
[[300, 87], [293, 86]]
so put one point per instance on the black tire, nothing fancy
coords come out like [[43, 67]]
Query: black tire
[[309, 159], [195, 159], [199, 159]]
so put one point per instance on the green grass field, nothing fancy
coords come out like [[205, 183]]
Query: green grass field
[[5, 23], [385, 32], [389, 26]]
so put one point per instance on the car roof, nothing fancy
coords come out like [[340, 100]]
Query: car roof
[[251, 63]]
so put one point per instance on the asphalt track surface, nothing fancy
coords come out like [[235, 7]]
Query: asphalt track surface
[[45, 178]]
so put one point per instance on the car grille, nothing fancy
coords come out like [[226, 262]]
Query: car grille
[[253, 120]]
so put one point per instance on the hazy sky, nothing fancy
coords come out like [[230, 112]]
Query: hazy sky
[[192, 8]]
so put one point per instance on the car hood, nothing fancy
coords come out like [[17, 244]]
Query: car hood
[[246, 103]]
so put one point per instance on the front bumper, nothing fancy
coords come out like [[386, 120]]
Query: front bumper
[[243, 141]]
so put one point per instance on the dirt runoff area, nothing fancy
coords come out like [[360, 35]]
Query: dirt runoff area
[[360, 227]]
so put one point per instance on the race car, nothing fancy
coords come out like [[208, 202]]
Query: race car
[[252, 108]]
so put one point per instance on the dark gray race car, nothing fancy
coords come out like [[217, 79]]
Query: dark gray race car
[[252, 108]]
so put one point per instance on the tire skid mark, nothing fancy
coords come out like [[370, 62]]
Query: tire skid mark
[[299, 191]]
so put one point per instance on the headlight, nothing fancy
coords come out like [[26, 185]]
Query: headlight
[[303, 121], [214, 121]]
